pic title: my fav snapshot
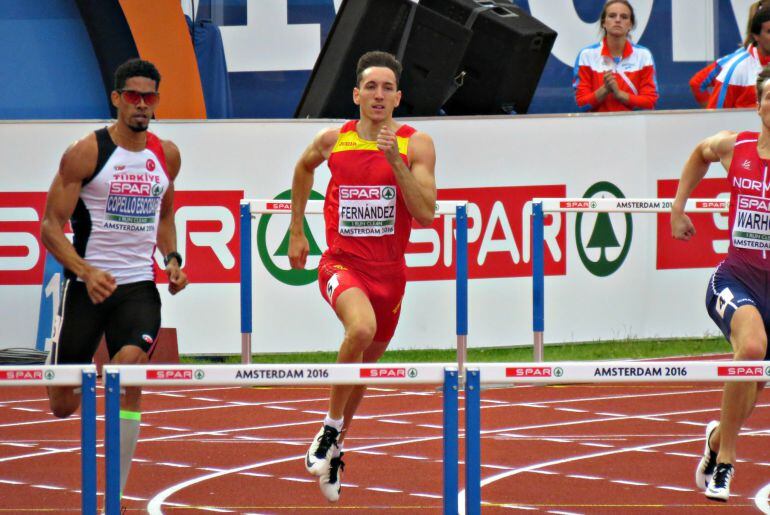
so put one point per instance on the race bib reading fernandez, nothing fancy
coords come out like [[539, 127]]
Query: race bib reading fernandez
[[367, 210]]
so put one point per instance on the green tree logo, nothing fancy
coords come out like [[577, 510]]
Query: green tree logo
[[603, 235], [287, 275], [388, 193]]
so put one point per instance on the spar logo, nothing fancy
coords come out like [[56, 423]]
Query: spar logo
[[529, 372], [24, 375], [170, 374], [735, 371], [387, 372], [602, 254], [275, 228]]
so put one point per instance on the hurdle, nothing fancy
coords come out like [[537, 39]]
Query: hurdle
[[83, 376], [250, 208], [571, 372], [115, 377], [540, 206]]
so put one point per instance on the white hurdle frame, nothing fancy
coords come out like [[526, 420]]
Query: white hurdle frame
[[540, 206], [572, 372], [252, 207], [83, 376], [116, 377]]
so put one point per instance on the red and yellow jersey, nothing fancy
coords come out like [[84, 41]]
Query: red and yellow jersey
[[634, 73], [364, 210]]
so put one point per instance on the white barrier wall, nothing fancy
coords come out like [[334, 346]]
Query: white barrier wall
[[497, 163]]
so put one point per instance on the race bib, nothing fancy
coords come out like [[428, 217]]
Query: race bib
[[367, 210], [132, 205], [752, 223]]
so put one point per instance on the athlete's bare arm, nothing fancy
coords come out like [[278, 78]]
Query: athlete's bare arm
[[77, 164], [316, 153], [418, 181], [166, 239], [716, 148]]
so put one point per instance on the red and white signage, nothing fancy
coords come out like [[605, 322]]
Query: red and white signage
[[169, 375], [528, 372], [383, 372], [733, 371], [21, 375], [499, 235], [709, 245]]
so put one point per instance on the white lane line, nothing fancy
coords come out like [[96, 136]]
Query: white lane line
[[581, 476], [408, 457], [14, 444], [33, 410], [626, 482], [543, 472], [603, 445], [675, 488], [683, 454], [387, 490], [252, 474], [206, 399], [48, 487], [556, 512], [10, 482], [387, 421], [298, 479], [572, 410], [429, 496], [174, 465], [283, 408]]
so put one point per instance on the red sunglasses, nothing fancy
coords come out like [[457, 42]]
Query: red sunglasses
[[134, 97]]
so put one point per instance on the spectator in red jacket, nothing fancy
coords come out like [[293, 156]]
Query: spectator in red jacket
[[702, 83], [615, 74], [735, 86]]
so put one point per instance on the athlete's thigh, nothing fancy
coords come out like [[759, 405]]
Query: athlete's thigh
[[79, 327], [134, 317], [736, 309], [386, 294]]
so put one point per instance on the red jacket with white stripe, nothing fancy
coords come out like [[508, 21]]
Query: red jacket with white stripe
[[634, 73], [736, 83]]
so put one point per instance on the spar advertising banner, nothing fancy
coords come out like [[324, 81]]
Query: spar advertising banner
[[607, 275]]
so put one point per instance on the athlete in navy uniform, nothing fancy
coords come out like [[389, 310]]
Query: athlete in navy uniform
[[116, 187]]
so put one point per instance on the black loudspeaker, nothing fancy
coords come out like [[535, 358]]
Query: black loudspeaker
[[504, 60], [434, 48]]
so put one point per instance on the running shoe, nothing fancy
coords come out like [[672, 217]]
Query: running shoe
[[319, 455], [719, 486], [331, 482], [708, 462]]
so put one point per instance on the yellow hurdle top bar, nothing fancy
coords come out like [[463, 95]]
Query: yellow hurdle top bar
[[629, 205], [315, 207]]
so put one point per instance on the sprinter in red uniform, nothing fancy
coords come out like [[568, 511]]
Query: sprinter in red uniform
[[382, 178], [737, 294]]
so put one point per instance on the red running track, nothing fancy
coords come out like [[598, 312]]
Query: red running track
[[596, 449]]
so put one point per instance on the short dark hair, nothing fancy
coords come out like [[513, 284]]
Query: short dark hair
[[136, 68], [609, 3], [760, 17], [377, 58], [761, 79]]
